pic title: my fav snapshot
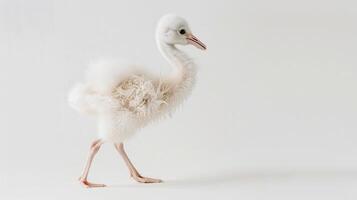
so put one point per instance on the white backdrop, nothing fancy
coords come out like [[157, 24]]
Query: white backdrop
[[273, 113]]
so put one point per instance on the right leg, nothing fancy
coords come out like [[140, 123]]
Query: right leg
[[93, 151], [133, 172]]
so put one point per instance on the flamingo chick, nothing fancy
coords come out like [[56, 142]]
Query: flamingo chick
[[125, 98]]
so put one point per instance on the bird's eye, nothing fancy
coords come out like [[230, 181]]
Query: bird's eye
[[182, 31]]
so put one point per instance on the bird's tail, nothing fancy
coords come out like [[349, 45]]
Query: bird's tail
[[77, 99], [85, 101]]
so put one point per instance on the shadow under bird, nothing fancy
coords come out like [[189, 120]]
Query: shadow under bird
[[125, 98]]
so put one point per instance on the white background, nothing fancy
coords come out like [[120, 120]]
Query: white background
[[273, 114]]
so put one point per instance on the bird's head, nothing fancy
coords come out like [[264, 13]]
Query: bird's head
[[173, 30]]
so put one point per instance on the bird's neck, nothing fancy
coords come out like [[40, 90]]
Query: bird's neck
[[183, 74], [181, 64]]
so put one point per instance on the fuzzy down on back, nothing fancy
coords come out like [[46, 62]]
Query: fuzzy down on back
[[109, 87]]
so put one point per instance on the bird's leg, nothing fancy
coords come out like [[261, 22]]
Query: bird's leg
[[133, 172], [93, 151]]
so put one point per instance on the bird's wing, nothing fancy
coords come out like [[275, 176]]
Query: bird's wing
[[139, 94]]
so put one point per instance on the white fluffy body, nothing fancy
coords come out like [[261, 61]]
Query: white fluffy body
[[125, 98]]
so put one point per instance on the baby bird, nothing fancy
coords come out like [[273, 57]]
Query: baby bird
[[125, 98]]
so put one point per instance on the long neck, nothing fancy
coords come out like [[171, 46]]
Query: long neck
[[178, 60], [183, 74]]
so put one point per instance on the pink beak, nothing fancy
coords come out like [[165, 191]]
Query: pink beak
[[191, 39]]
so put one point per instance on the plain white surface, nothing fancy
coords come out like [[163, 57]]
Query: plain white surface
[[273, 115]]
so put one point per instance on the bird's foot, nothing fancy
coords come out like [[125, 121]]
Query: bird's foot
[[142, 179], [88, 184]]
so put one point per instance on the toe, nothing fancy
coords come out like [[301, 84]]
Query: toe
[[141, 179], [87, 184], [153, 180]]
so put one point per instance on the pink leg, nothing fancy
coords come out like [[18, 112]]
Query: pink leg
[[133, 172], [93, 151]]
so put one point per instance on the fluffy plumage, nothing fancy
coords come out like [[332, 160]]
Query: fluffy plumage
[[125, 98]]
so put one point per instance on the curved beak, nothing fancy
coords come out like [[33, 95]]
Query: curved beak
[[191, 39]]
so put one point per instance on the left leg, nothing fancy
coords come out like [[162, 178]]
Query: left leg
[[93, 151], [133, 172]]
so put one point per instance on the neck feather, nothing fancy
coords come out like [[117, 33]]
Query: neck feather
[[182, 64], [183, 74]]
